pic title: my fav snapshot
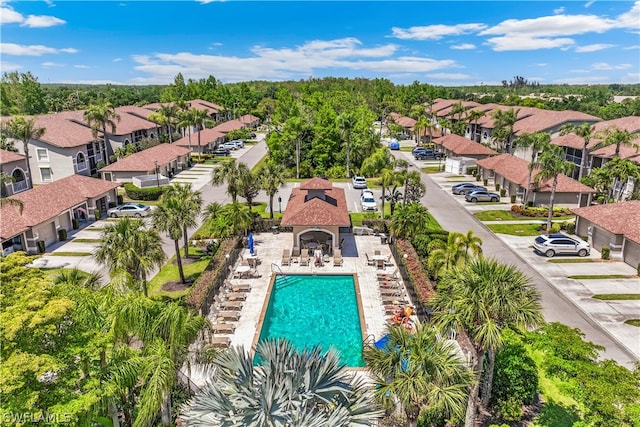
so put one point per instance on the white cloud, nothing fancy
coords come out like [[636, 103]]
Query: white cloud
[[593, 47], [542, 64], [582, 80], [285, 63], [116, 59], [559, 10], [447, 76], [10, 16], [463, 46], [31, 50], [434, 32], [42, 21], [634, 47], [631, 18], [81, 66], [527, 43], [589, 3], [8, 66], [51, 65], [605, 66], [631, 78]]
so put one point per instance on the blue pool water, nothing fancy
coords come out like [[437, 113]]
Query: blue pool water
[[316, 310]]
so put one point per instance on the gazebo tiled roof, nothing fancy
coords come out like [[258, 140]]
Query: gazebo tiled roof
[[328, 208]]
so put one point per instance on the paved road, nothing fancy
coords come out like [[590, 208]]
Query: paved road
[[447, 211]]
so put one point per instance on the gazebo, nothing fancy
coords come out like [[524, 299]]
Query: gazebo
[[316, 211]]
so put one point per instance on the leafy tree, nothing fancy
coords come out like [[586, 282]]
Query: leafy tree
[[414, 187], [129, 246], [484, 297], [290, 387], [421, 371], [536, 142], [409, 220], [21, 94], [171, 216], [99, 117], [249, 185], [346, 123], [272, 177], [551, 164], [24, 129], [191, 204], [515, 380]]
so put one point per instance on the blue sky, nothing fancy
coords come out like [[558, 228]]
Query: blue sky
[[442, 43]]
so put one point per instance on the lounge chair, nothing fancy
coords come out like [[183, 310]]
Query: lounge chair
[[390, 292], [376, 252], [393, 300], [254, 273], [304, 259], [388, 262], [233, 274], [388, 277], [286, 257], [223, 328], [237, 287], [380, 264], [337, 258], [253, 262], [236, 296], [228, 315], [295, 254], [221, 304], [369, 260], [388, 285], [223, 342]]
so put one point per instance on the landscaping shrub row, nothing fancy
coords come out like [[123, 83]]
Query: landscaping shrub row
[[135, 193], [539, 211], [419, 278]]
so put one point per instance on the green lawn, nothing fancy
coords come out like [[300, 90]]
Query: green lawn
[[599, 276], [571, 260], [87, 240], [261, 208], [502, 215], [617, 297], [633, 322], [432, 169], [60, 253], [169, 273], [515, 229]]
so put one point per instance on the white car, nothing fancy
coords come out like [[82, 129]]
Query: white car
[[557, 244], [368, 201], [359, 182]]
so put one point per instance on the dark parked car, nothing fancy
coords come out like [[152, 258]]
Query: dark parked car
[[221, 152], [463, 187], [482, 196], [425, 153]]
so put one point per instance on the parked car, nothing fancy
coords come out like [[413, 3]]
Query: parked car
[[402, 135], [239, 143], [426, 153], [475, 188], [368, 201], [129, 209], [359, 182], [394, 145], [229, 145], [221, 152], [462, 187], [253, 135], [552, 244], [482, 196]]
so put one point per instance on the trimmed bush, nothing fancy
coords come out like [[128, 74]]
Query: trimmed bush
[[98, 214], [485, 181], [515, 381], [75, 224], [556, 227], [135, 193], [120, 199], [585, 238], [477, 177], [605, 253], [513, 198], [571, 227], [503, 192], [62, 234], [41, 246], [497, 187], [638, 269], [473, 171]]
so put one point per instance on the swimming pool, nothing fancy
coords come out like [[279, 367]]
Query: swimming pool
[[313, 310]]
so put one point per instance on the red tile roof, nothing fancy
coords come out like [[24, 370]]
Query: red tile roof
[[210, 107], [144, 161], [304, 211], [406, 122], [570, 140], [463, 146], [316, 183], [609, 151], [617, 218], [466, 104], [631, 124], [545, 120], [132, 119], [67, 129], [440, 104], [9, 156], [47, 201], [206, 136], [516, 170]]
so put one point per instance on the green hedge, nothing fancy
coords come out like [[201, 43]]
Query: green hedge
[[135, 193]]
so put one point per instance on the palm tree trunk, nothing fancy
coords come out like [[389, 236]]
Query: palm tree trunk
[[27, 165], [186, 242], [487, 383], [297, 158], [199, 146], [472, 403], [551, 200], [383, 191], [179, 260], [106, 144], [271, 206], [165, 410], [526, 190], [583, 163], [348, 154]]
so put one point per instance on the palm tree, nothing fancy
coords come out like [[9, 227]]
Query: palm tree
[[617, 137], [536, 142], [272, 176], [249, 184], [167, 115], [229, 172], [99, 117], [484, 297], [295, 128], [24, 129], [168, 218], [129, 246], [388, 178], [346, 123], [8, 201], [470, 243], [420, 128], [586, 132], [421, 371], [201, 119], [551, 164], [444, 256], [621, 170], [409, 220], [78, 279], [503, 127], [192, 207], [473, 116], [297, 388], [187, 120]]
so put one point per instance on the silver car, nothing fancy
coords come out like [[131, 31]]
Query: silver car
[[129, 209], [553, 244], [482, 196]]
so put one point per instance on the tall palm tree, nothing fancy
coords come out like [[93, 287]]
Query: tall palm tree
[[272, 177], [229, 220], [346, 123], [504, 120], [409, 220], [201, 119], [473, 116], [552, 164], [228, 172], [421, 371], [297, 388], [388, 178], [295, 128], [621, 170], [617, 137], [99, 117], [129, 246], [249, 184], [420, 127], [586, 132], [444, 256], [187, 120], [167, 115], [536, 142], [168, 218], [24, 129], [192, 207], [484, 297]]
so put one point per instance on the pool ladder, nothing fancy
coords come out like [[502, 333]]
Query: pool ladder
[[275, 268]]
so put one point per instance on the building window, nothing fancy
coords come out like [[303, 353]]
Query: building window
[[43, 154], [80, 162], [46, 174]]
